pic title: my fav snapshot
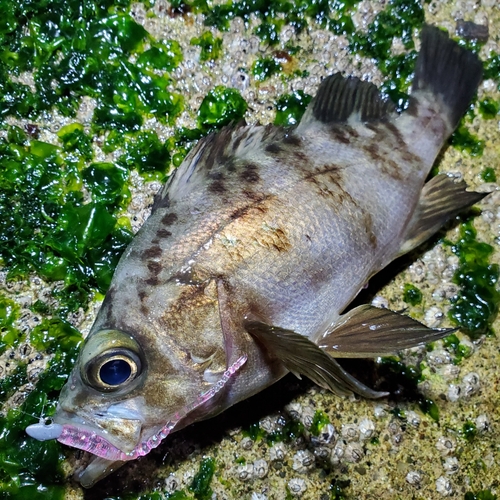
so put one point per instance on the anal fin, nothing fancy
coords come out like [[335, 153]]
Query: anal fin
[[368, 331], [302, 357], [440, 200]]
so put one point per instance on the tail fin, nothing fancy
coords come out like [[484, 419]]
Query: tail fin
[[450, 72]]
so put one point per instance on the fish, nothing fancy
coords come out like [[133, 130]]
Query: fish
[[255, 248]]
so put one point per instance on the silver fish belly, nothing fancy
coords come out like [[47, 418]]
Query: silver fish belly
[[254, 249]]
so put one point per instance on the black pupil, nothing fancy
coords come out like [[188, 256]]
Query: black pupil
[[115, 372]]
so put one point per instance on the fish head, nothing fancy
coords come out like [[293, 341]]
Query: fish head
[[133, 384]]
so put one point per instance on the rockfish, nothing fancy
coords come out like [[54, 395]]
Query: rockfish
[[254, 249]]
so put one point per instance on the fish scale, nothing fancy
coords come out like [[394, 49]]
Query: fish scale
[[253, 251]]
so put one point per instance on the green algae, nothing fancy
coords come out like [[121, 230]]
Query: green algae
[[489, 175], [147, 154], [254, 432], [480, 495], [200, 486], [406, 379], [475, 306], [412, 295], [398, 20], [30, 468], [469, 430], [265, 67], [220, 107], [291, 107], [290, 431], [489, 108], [48, 228], [320, 420], [211, 47], [461, 351], [9, 313], [273, 14], [464, 140]]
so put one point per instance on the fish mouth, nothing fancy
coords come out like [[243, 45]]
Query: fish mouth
[[72, 430]]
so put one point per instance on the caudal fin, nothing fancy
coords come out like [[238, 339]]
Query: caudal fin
[[450, 72]]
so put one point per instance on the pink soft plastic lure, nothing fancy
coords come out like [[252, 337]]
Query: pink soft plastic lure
[[87, 440]]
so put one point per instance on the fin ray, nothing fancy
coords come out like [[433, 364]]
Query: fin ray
[[341, 99], [447, 71], [440, 200], [302, 357], [368, 331]]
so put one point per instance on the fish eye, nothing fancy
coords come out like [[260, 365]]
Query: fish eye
[[113, 369]]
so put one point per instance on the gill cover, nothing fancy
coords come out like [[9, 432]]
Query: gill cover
[[111, 360]]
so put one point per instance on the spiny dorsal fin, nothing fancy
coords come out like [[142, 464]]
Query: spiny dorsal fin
[[440, 200], [340, 99], [302, 357]]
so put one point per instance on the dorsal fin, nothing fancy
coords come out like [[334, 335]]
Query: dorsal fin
[[340, 99]]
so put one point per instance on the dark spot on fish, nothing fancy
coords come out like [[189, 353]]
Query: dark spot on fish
[[163, 233], [308, 238], [152, 281], [252, 195], [301, 158], [373, 150], [292, 140], [258, 205], [351, 131], [144, 310], [396, 134], [217, 187], [237, 142], [339, 134], [154, 267], [169, 219], [142, 295], [230, 164], [273, 148], [152, 252], [249, 173], [391, 168]]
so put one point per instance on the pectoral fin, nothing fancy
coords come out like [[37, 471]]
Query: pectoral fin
[[440, 200], [368, 331], [302, 357]]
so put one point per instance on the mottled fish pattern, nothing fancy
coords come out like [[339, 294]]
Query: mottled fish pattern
[[253, 251]]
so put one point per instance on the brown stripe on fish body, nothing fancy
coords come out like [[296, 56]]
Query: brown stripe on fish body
[[217, 184], [260, 204], [328, 182], [250, 173]]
